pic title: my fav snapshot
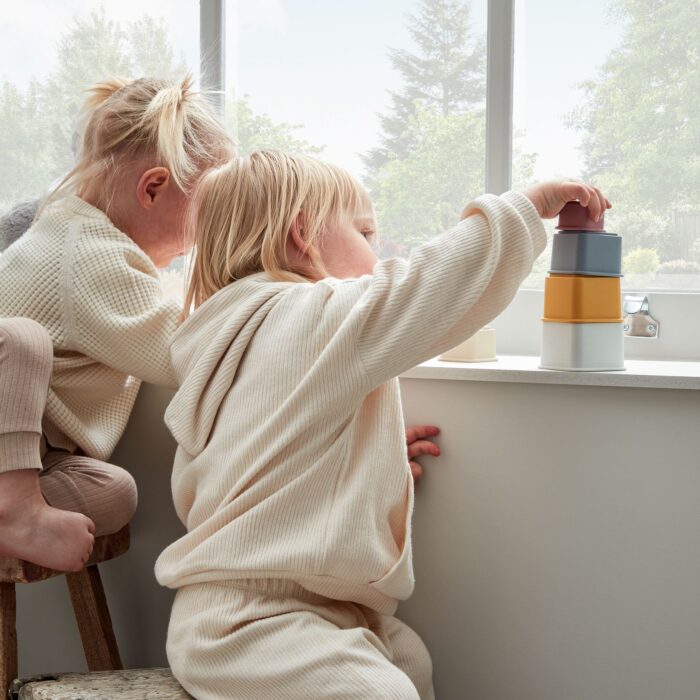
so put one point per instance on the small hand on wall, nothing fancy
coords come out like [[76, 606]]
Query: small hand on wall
[[418, 444]]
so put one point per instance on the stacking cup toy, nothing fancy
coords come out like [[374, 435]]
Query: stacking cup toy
[[582, 322], [574, 299], [586, 253]]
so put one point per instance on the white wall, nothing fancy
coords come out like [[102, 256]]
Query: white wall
[[557, 542], [557, 545]]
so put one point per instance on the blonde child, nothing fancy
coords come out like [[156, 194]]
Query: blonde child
[[291, 473], [82, 317]]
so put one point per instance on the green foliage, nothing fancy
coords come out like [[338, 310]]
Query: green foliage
[[25, 143], [431, 158], [641, 117], [642, 261], [255, 131], [640, 228], [447, 75], [37, 138], [39, 121], [423, 193], [695, 250], [679, 267]]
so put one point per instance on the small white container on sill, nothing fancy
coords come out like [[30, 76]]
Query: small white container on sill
[[583, 347], [481, 347]]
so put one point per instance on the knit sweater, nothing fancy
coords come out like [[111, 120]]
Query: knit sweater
[[291, 459], [99, 297]]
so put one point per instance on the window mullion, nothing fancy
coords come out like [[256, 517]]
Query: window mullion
[[499, 95], [212, 50]]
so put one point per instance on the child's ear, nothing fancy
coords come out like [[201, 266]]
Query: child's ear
[[298, 235], [307, 253], [152, 184]]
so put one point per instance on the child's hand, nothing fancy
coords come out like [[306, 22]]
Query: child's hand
[[550, 197], [418, 445]]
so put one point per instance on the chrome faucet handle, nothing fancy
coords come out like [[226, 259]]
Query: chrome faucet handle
[[639, 323]]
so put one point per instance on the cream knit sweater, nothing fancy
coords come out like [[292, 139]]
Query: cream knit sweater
[[99, 297], [292, 457]]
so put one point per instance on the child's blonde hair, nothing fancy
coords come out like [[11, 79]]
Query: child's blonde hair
[[243, 211], [126, 119]]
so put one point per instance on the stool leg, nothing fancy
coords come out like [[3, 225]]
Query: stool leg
[[8, 636], [94, 621]]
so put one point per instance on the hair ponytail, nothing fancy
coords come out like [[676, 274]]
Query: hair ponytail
[[165, 117], [163, 120], [100, 92]]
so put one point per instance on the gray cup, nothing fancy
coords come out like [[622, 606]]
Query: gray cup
[[587, 253]]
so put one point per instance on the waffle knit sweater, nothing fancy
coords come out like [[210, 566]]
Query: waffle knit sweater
[[291, 460], [99, 297]]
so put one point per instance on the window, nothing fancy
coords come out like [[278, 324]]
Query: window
[[393, 91], [609, 93], [50, 52], [396, 92], [48, 64]]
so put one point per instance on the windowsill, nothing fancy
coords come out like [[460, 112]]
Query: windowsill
[[524, 369]]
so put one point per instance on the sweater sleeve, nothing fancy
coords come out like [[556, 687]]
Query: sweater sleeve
[[114, 308], [450, 287]]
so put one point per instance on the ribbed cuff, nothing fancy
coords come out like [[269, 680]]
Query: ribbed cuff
[[20, 451], [532, 219]]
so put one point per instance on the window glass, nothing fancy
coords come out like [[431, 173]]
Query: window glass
[[394, 91], [609, 92], [51, 52]]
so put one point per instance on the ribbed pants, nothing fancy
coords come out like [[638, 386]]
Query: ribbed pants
[[274, 640], [103, 492]]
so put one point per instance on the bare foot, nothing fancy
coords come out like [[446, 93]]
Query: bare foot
[[32, 530]]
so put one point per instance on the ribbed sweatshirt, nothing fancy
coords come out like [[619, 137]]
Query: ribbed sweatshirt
[[99, 296], [291, 459]]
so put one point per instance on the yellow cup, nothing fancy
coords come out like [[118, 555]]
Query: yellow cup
[[573, 299]]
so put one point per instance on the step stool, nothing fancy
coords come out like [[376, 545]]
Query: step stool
[[89, 604], [137, 684]]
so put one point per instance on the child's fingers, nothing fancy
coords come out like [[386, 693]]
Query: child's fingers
[[423, 447], [573, 190], [418, 432], [416, 470], [588, 196], [595, 204], [602, 202]]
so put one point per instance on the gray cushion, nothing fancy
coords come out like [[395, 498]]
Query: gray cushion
[[16, 222]]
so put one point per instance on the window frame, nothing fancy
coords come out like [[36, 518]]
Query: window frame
[[212, 51], [679, 336]]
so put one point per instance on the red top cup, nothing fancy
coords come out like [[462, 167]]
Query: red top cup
[[575, 217]]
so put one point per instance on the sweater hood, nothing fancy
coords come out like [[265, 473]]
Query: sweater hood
[[205, 373]]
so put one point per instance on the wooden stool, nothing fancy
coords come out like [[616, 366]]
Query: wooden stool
[[89, 604], [116, 685]]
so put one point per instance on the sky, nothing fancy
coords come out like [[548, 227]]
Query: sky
[[325, 65], [558, 45]]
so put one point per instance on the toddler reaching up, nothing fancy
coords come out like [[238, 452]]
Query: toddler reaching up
[[291, 474]]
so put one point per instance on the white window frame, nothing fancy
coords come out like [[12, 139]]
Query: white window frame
[[518, 327], [212, 50]]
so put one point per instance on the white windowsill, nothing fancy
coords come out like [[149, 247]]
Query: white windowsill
[[524, 369]]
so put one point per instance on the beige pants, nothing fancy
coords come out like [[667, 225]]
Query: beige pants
[[103, 492], [276, 640]]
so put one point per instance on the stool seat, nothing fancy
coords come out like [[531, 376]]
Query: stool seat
[[89, 604], [106, 547], [136, 684]]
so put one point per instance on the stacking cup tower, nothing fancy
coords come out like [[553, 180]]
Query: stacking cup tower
[[582, 322]]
